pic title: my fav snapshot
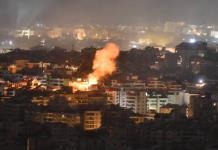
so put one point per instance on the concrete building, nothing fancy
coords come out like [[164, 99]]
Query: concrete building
[[7, 92], [86, 97], [43, 80], [92, 120], [51, 117], [40, 100], [130, 98], [134, 100], [129, 84], [174, 97], [156, 84], [139, 101], [156, 100], [56, 82], [113, 95]]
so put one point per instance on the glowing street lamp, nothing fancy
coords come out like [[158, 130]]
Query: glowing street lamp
[[201, 83], [192, 40]]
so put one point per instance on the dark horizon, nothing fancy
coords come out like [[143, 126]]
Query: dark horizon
[[15, 13]]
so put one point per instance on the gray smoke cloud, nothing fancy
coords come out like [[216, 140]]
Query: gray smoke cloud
[[24, 12]]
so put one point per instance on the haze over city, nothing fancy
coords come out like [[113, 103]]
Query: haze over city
[[109, 12], [108, 75]]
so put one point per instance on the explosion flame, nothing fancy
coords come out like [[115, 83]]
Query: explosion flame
[[104, 64]]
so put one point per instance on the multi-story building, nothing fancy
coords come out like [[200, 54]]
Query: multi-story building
[[113, 95], [129, 84], [174, 97], [140, 101], [134, 99], [8, 92], [43, 80], [92, 120], [56, 82], [201, 106], [24, 33], [40, 101], [87, 97], [156, 100], [52, 117], [52, 82], [188, 50], [155, 84], [173, 86]]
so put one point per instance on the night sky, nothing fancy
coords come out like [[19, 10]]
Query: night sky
[[64, 12]]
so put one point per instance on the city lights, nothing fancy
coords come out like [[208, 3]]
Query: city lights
[[192, 40], [108, 75]]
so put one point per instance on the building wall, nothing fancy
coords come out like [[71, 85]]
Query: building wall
[[48, 117], [154, 103], [133, 99], [92, 120]]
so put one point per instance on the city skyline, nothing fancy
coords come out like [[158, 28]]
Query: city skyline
[[108, 75]]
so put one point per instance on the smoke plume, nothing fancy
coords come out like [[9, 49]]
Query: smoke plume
[[104, 63]]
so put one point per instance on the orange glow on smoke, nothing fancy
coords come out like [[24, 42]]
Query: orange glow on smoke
[[104, 64]]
